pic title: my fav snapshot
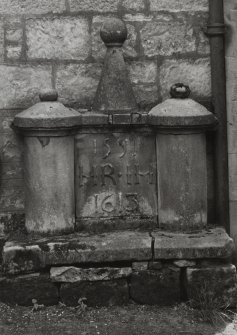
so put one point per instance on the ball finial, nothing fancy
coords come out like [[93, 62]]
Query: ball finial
[[113, 32]]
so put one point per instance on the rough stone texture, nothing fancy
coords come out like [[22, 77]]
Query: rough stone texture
[[76, 248], [140, 266], [11, 222], [94, 5], [18, 7], [20, 85], [72, 274], [183, 263], [58, 38], [11, 170], [159, 287], [10, 147], [217, 285], [143, 72], [133, 5], [1, 41], [12, 195], [13, 52], [98, 47], [49, 184], [232, 176], [77, 83], [233, 227], [196, 74], [155, 265], [147, 96], [166, 36], [178, 6], [107, 293], [212, 243], [21, 290]]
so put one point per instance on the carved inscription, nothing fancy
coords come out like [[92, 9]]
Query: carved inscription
[[110, 203], [115, 175]]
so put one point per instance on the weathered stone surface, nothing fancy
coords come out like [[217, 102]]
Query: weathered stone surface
[[21, 290], [58, 38], [31, 7], [183, 263], [217, 285], [143, 72], [211, 243], [233, 176], [13, 52], [140, 266], [101, 293], [77, 83], [133, 5], [165, 36], [147, 96], [11, 223], [1, 41], [159, 287], [12, 195], [14, 34], [19, 85], [233, 226], [98, 47], [10, 147], [155, 265], [72, 274], [94, 5], [196, 74], [49, 186], [77, 248], [179, 6]]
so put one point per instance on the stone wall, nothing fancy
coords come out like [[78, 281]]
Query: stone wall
[[56, 43]]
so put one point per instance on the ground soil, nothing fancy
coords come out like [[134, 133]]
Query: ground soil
[[127, 320]]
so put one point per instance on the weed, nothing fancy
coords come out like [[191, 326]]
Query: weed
[[209, 307]]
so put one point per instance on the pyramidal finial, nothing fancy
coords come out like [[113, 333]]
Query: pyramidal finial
[[114, 93]]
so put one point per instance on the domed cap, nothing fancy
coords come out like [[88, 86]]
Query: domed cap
[[180, 111], [48, 114]]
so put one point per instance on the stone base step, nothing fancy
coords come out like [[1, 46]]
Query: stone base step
[[160, 268], [33, 255]]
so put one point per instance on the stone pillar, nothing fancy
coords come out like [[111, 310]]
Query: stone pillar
[[181, 160], [48, 165]]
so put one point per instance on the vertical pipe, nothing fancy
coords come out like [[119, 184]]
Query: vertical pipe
[[216, 31]]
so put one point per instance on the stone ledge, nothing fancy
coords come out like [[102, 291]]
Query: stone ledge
[[209, 243], [127, 246], [30, 256]]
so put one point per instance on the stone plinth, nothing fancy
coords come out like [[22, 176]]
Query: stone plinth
[[181, 160], [48, 165]]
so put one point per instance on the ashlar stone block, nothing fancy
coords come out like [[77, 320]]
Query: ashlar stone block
[[58, 38], [19, 7], [21, 290], [94, 5], [179, 6], [73, 274], [161, 287], [20, 85], [166, 36], [101, 293]]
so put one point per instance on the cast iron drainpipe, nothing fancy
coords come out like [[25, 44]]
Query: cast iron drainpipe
[[216, 32]]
